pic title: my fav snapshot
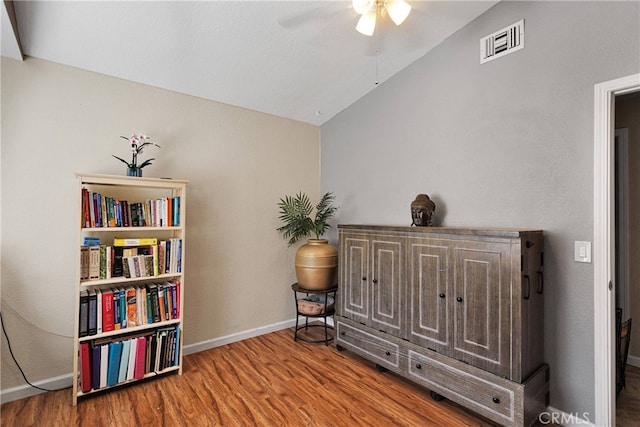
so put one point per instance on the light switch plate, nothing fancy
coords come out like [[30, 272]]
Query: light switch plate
[[582, 252]]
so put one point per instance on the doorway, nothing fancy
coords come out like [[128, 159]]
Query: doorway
[[604, 243]]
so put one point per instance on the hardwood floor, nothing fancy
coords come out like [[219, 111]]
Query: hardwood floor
[[264, 381], [628, 403]]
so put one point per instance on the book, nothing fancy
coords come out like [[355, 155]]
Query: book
[[117, 320], [161, 303], [160, 340], [135, 242], [104, 364], [175, 211], [92, 328], [90, 241], [99, 311], [152, 290], [151, 351], [177, 299], [118, 270], [94, 262], [132, 307], [85, 367], [103, 262], [126, 218], [108, 317], [174, 300], [86, 219], [92, 207], [84, 263], [179, 256], [171, 349], [141, 351], [95, 366], [133, 353], [167, 256], [123, 308], [124, 361], [109, 259], [113, 368], [177, 350], [84, 314]]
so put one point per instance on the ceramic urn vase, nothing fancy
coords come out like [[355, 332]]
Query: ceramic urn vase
[[316, 265]]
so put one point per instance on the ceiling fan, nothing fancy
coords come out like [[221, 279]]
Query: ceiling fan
[[398, 10]]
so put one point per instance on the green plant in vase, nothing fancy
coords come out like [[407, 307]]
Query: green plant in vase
[[316, 262], [138, 142]]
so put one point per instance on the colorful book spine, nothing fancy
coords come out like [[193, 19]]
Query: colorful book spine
[[124, 361], [141, 348], [92, 328], [95, 366], [84, 314], [85, 367], [108, 316], [135, 242], [132, 307], [113, 368]]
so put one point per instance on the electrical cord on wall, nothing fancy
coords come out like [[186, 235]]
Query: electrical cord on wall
[[4, 331]]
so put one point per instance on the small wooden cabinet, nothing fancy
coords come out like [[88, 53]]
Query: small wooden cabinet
[[373, 280], [458, 310]]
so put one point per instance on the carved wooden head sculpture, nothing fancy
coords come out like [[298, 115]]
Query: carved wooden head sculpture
[[422, 209]]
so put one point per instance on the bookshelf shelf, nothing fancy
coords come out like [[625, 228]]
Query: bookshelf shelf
[[129, 331], [129, 281], [97, 282], [128, 229]]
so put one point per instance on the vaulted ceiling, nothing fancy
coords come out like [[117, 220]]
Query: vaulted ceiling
[[301, 60]]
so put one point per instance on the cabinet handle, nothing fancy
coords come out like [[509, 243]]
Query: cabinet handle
[[418, 366], [343, 333], [364, 279], [459, 299], [441, 295], [387, 353], [527, 282], [375, 280], [540, 282], [496, 400]]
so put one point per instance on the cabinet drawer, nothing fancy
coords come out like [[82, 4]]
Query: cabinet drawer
[[462, 387], [370, 346]]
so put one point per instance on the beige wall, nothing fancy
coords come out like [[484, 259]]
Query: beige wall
[[58, 120], [628, 116]]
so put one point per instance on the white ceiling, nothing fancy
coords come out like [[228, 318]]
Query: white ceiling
[[301, 60]]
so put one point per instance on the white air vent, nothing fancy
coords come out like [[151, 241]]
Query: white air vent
[[502, 42]]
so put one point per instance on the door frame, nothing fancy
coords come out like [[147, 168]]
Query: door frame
[[622, 219], [604, 244]]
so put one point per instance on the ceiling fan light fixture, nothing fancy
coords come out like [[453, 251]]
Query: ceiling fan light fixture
[[367, 23], [363, 6], [398, 10]]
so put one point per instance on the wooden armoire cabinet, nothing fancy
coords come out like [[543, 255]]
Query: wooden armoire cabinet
[[458, 310]]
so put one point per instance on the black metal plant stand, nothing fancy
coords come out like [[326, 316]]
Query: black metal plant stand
[[327, 312]]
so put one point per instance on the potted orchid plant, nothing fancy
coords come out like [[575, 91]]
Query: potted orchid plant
[[138, 143]]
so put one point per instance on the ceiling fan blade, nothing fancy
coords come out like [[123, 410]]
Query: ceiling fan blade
[[313, 12]]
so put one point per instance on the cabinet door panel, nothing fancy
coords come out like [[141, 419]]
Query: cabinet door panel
[[429, 293], [482, 306], [387, 285], [354, 265]]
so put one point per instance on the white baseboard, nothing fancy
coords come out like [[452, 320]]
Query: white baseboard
[[558, 417], [20, 392], [228, 339], [633, 361], [66, 381]]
